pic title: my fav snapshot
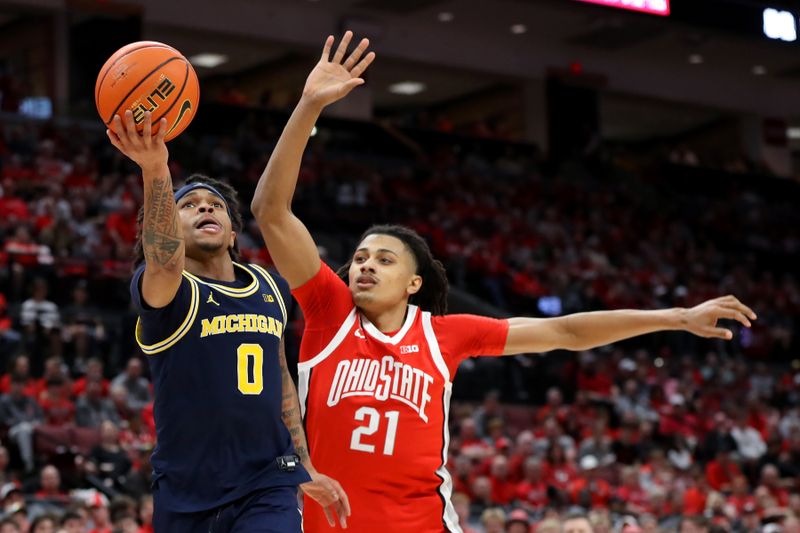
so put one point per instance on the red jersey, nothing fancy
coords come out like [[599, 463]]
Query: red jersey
[[376, 406]]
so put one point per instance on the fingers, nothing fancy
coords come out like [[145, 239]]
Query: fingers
[[114, 140], [339, 55], [359, 69], [734, 314], [329, 516], [356, 55], [130, 127], [342, 495], [733, 301], [342, 513], [162, 130], [147, 132], [326, 50], [721, 333]]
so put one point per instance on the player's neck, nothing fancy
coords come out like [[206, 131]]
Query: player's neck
[[219, 267], [387, 320]]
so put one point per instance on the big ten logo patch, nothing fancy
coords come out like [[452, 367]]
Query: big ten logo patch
[[268, 298], [409, 348], [153, 100]]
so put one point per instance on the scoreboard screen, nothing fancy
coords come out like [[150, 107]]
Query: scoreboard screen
[[653, 7]]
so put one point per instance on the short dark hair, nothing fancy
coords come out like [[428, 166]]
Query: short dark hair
[[432, 296], [231, 198]]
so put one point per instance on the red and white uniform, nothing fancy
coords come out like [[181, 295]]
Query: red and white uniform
[[376, 406]]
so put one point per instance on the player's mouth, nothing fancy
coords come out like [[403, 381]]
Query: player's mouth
[[209, 225], [365, 281]]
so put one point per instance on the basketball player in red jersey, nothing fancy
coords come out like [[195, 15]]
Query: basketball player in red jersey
[[378, 354]]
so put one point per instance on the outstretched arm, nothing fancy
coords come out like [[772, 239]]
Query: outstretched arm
[[162, 235], [290, 244], [323, 489], [583, 331]]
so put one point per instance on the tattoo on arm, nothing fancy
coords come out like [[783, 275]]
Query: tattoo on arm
[[290, 410], [162, 238]]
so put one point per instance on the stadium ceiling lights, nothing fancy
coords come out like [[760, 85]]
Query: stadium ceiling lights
[[518, 29], [208, 60], [407, 87], [446, 16]]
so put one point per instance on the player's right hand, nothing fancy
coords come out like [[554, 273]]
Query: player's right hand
[[332, 79], [146, 149], [330, 495]]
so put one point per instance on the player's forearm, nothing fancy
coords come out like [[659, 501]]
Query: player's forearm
[[583, 331], [162, 236], [275, 189], [290, 413]]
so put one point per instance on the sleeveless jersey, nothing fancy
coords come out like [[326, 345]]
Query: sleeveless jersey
[[376, 406], [214, 359]]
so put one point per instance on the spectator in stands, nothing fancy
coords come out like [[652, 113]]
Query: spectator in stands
[[136, 385], [576, 523], [518, 522], [50, 486], [121, 228], [146, 514], [493, 520], [94, 371], [83, 328], [54, 368], [489, 409], [99, 516], [44, 524], [749, 442], [532, 490], [9, 525], [55, 402], [92, 409], [693, 524], [588, 489], [108, 462], [72, 522], [481, 497], [21, 414], [504, 490], [41, 319], [9, 337], [21, 367]]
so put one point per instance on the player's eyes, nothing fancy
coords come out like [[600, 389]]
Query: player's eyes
[[386, 261], [217, 204], [359, 259], [187, 204]]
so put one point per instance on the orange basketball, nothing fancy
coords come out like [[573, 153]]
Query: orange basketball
[[148, 76]]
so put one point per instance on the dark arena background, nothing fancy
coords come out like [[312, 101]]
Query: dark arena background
[[557, 155]]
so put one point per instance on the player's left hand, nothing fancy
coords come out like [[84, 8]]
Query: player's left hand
[[330, 495], [702, 319]]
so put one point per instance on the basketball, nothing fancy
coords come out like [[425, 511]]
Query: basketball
[[148, 76]]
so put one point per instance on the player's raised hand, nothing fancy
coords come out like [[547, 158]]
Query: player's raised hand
[[330, 495], [334, 77], [702, 319], [147, 149]]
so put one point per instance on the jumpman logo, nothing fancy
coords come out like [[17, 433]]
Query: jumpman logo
[[211, 299]]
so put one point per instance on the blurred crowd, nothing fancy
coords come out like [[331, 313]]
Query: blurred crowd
[[667, 433]]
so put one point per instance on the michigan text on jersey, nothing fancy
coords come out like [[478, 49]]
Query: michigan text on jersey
[[240, 323], [384, 379]]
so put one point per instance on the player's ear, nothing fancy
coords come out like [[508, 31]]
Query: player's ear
[[233, 240], [415, 285]]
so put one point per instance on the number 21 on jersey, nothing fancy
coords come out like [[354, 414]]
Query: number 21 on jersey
[[373, 421]]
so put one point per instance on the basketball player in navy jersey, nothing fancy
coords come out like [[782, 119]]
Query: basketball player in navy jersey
[[231, 449]]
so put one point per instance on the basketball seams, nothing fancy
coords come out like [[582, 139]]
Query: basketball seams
[[144, 78], [103, 74], [178, 96]]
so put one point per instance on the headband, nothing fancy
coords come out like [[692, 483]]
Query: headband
[[186, 189]]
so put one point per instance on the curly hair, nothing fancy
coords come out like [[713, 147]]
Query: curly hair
[[231, 198], [432, 296]]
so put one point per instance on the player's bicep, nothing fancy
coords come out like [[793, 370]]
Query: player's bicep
[[534, 335], [291, 247], [159, 286]]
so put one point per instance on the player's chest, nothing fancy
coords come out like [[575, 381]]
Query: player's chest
[[238, 319], [365, 371]]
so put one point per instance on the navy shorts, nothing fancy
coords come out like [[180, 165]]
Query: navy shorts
[[271, 510]]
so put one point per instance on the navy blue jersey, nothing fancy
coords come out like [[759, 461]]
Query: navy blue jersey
[[213, 354]]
